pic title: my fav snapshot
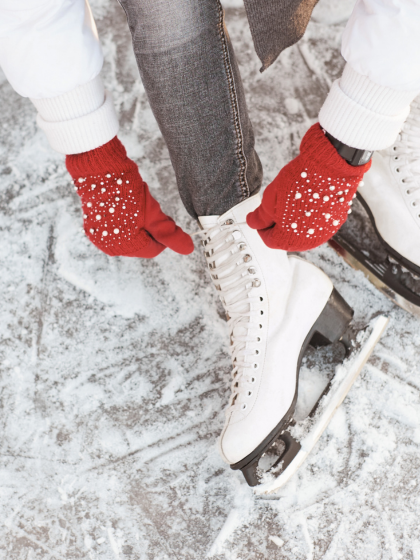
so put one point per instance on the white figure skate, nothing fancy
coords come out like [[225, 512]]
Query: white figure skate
[[382, 236], [275, 305]]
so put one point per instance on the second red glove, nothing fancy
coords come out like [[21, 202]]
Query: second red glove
[[120, 216], [310, 198]]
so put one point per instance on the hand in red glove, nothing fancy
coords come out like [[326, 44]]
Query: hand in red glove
[[120, 215], [310, 198]]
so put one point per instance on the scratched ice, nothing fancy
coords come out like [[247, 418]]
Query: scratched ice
[[114, 373]]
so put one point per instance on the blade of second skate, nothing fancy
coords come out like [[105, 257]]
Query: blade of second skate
[[312, 428], [379, 274]]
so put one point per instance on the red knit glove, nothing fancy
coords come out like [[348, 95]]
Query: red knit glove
[[120, 215], [310, 198]]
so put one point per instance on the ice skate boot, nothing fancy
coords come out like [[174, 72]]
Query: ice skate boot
[[275, 306], [382, 236]]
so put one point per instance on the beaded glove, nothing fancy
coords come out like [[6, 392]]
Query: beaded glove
[[310, 198], [120, 217]]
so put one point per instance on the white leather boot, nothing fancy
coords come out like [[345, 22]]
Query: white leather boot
[[274, 304], [391, 193]]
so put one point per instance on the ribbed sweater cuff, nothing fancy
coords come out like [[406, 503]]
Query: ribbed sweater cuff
[[76, 103], [363, 114], [80, 120]]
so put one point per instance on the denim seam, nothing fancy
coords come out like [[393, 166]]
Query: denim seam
[[243, 183]]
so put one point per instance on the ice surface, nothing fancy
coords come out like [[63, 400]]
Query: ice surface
[[114, 372]]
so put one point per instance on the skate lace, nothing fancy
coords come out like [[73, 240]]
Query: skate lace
[[408, 146], [230, 270]]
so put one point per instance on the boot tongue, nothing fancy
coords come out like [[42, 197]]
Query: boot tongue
[[207, 222]]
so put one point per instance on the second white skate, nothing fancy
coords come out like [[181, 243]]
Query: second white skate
[[382, 235]]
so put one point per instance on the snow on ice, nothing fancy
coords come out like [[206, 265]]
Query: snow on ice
[[114, 372]]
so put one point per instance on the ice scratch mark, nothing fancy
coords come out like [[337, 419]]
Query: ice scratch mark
[[387, 356], [28, 194], [168, 392], [331, 552], [400, 382], [113, 543], [323, 80], [158, 448], [87, 541], [63, 495], [44, 293], [243, 504], [307, 537], [400, 408], [313, 503], [233, 521], [387, 525], [148, 514], [19, 456], [23, 533]]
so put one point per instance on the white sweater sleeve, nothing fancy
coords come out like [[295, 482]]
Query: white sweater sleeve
[[48, 47], [382, 41], [368, 105], [50, 52]]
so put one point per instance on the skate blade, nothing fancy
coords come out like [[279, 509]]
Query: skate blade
[[380, 275], [305, 434]]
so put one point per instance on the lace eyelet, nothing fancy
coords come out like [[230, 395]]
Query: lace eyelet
[[256, 283], [407, 192], [252, 270], [257, 351], [414, 204], [395, 158], [249, 393], [397, 169], [243, 406], [260, 326], [258, 339], [261, 298], [242, 246], [262, 312], [228, 222], [253, 380], [247, 258], [256, 366]]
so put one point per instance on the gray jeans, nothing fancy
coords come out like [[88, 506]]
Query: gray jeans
[[189, 70]]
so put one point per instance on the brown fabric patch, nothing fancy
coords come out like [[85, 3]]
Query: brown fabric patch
[[276, 25]]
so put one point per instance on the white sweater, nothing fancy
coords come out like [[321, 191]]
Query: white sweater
[[381, 44], [50, 52]]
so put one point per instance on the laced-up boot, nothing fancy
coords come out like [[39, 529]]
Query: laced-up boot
[[274, 304], [391, 193]]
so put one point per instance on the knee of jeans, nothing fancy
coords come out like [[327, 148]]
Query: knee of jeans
[[158, 25]]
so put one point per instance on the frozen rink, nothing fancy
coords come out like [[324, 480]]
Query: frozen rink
[[114, 372]]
